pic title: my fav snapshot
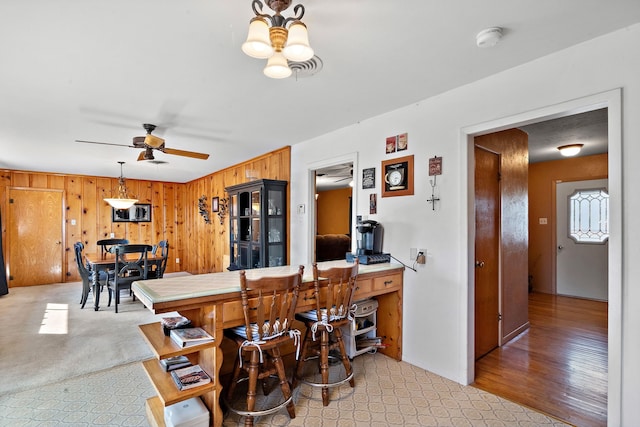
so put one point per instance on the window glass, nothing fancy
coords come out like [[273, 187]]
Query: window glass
[[589, 216]]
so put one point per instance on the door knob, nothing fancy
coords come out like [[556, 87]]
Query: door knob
[[560, 247], [479, 264]]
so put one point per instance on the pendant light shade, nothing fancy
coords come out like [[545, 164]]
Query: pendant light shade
[[258, 44], [123, 201], [297, 47], [277, 67]]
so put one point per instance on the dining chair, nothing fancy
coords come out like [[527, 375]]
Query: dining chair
[[156, 269], [107, 244], [131, 264], [85, 274], [268, 305], [333, 292]]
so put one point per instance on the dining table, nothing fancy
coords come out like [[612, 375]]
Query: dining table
[[99, 262]]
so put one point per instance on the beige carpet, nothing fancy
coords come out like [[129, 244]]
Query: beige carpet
[[46, 337]]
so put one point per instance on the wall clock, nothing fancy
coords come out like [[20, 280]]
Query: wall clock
[[397, 177]]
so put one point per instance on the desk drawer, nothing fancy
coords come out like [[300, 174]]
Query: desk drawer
[[363, 288], [387, 282]]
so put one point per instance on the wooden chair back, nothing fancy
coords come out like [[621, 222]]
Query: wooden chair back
[[334, 288], [131, 263], [78, 247], [157, 271], [106, 245], [269, 304]]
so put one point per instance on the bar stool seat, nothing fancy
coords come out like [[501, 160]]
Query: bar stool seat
[[268, 304], [333, 290]]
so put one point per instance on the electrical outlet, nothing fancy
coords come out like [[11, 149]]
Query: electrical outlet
[[112, 235], [177, 260]]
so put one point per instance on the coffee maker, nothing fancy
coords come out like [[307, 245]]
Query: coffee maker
[[369, 237], [369, 241]]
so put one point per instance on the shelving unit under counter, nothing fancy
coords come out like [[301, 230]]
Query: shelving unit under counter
[[167, 392]]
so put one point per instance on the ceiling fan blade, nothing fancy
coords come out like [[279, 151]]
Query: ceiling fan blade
[[192, 154], [104, 143], [141, 156], [343, 179]]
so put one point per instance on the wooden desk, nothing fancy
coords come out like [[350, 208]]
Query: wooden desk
[[104, 262], [212, 301]]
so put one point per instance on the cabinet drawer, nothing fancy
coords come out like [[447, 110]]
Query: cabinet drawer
[[387, 282], [363, 288]]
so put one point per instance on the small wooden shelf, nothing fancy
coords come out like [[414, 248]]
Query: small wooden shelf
[[163, 346], [166, 387], [155, 412]]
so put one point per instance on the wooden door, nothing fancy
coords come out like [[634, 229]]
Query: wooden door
[[487, 256], [35, 251]]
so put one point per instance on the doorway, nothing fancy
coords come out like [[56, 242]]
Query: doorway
[[328, 175], [612, 101]]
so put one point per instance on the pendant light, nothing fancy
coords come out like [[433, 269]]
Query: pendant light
[[123, 201]]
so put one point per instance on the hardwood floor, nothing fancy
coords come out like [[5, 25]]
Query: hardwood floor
[[559, 365]]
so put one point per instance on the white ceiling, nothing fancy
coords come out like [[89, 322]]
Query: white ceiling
[[97, 70]]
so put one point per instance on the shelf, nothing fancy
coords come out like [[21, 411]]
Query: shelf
[[166, 388], [163, 346], [356, 332], [155, 412]]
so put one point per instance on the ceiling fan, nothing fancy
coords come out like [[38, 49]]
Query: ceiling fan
[[150, 142]]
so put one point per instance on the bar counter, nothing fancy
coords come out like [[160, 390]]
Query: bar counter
[[212, 301]]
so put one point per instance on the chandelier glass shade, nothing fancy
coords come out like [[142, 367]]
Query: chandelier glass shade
[[277, 39], [123, 201]]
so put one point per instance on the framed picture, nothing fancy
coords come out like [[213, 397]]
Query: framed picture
[[368, 178], [397, 177], [215, 204], [140, 212]]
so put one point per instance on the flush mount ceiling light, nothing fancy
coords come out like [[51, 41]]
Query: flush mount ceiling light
[[286, 38], [123, 201], [570, 150], [489, 37]]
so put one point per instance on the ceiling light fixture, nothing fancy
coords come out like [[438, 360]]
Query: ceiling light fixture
[[123, 201], [277, 43], [489, 37], [570, 150]]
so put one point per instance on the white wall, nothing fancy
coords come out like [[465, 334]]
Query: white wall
[[435, 298]]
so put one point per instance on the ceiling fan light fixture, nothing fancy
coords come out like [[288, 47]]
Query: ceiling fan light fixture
[[123, 201], [153, 141], [570, 149]]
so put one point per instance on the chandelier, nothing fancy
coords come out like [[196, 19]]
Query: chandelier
[[286, 38], [122, 201]]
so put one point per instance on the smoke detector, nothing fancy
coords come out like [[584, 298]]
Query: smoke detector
[[489, 37]]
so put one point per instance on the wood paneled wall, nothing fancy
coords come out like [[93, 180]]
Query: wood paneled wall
[[513, 147], [333, 211], [201, 247]]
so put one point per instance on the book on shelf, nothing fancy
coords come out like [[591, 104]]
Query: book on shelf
[[190, 377], [175, 362], [190, 336], [174, 322]]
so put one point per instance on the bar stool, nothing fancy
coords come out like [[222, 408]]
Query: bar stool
[[268, 304], [334, 299]]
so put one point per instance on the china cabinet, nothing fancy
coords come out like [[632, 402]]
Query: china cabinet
[[257, 228]]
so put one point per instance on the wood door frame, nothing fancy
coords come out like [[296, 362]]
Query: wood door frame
[[63, 245], [612, 100]]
